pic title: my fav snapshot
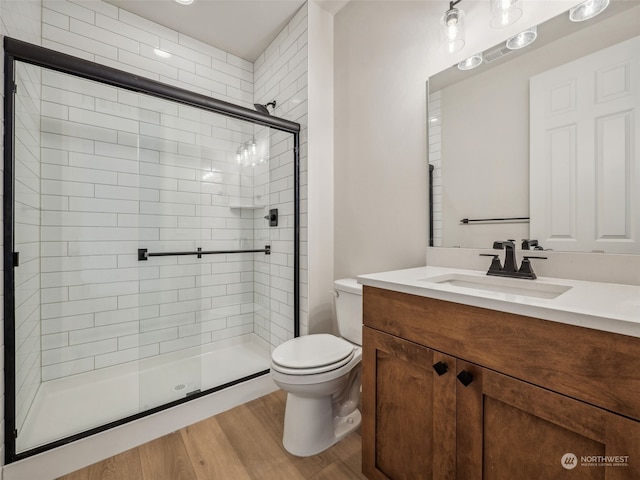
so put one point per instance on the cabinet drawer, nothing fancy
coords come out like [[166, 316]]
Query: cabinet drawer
[[597, 367]]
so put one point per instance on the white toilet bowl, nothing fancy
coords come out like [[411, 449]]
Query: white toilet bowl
[[321, 374], [322, 400]]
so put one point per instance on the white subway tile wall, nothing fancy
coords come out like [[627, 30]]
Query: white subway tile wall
[[280, 73], [129, 171], [103, 33], [180, 187]]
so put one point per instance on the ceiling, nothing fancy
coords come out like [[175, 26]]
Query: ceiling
[[241, 27]]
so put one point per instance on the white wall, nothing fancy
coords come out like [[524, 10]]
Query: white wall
[[321, 170], [380, 148]]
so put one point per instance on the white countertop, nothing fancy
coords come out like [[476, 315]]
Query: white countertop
[[602, 306]]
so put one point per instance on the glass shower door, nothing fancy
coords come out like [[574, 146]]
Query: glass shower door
[[80, 254], [169, 181], [154, 253], [27, 194]]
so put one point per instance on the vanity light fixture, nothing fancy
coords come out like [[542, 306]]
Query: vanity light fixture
[[452, 29], [471, 62], [505, 12], [523, 39], [587, 10]]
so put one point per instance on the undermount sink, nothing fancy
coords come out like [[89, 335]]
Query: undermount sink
[[514, 286]]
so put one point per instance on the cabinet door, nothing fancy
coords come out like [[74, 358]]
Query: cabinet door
[[510, 429], [408, 427]]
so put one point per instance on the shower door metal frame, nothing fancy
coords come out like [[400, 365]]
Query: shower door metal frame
[[17, 50]]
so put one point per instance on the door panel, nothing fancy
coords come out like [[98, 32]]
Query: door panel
[[584, 141], [408, 422], [518, 430]]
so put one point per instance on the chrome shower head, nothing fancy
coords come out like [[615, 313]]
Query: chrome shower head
[[263, 108]]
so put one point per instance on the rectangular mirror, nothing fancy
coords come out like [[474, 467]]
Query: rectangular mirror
[[542, 142]]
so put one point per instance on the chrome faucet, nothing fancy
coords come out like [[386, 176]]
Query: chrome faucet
[[510, 268]]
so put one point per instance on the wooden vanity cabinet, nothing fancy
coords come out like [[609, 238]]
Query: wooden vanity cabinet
[[419, 424], [510, 429], [410, 410]]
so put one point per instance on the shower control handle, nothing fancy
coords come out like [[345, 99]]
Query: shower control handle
[[441, 368], [272, 217]]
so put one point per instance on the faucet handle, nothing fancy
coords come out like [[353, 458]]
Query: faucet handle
[[526, 267], [496, 266], [528, 243], [503, 244]]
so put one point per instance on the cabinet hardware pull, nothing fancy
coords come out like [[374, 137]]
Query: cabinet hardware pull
[[441, 368], [465, 378]]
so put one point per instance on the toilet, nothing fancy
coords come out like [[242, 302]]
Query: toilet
[[321, 375]]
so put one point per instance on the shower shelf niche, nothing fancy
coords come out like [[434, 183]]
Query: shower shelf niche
[[246, 207]]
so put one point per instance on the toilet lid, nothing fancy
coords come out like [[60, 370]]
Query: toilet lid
[[311, 351]]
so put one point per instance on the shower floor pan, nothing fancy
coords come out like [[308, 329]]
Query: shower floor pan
[[68, 406]]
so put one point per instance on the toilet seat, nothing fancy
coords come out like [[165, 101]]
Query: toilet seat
[[312, 354]]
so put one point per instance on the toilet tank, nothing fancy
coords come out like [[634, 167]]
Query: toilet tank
[[349, 309]]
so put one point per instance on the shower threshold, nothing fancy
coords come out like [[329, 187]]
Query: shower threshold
[[65, 407]]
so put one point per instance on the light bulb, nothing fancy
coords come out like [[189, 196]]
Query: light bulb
[[505, 12], [587, 10], [471, 62], [452, 30], [523, 39]]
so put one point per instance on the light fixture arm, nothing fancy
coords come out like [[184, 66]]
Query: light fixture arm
[[453, 4]]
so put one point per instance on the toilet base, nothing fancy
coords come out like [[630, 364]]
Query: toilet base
[[309, 428]]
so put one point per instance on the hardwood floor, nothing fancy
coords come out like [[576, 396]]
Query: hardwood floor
[[244, 443]]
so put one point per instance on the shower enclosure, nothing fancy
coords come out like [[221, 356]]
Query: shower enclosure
[[151, 246]]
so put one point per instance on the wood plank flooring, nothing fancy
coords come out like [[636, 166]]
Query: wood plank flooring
[[244, 443]]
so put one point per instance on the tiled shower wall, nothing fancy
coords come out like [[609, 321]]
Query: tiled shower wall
[[102, 33], [124, 40], [90, 320], [122, 171], [281, 74]]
